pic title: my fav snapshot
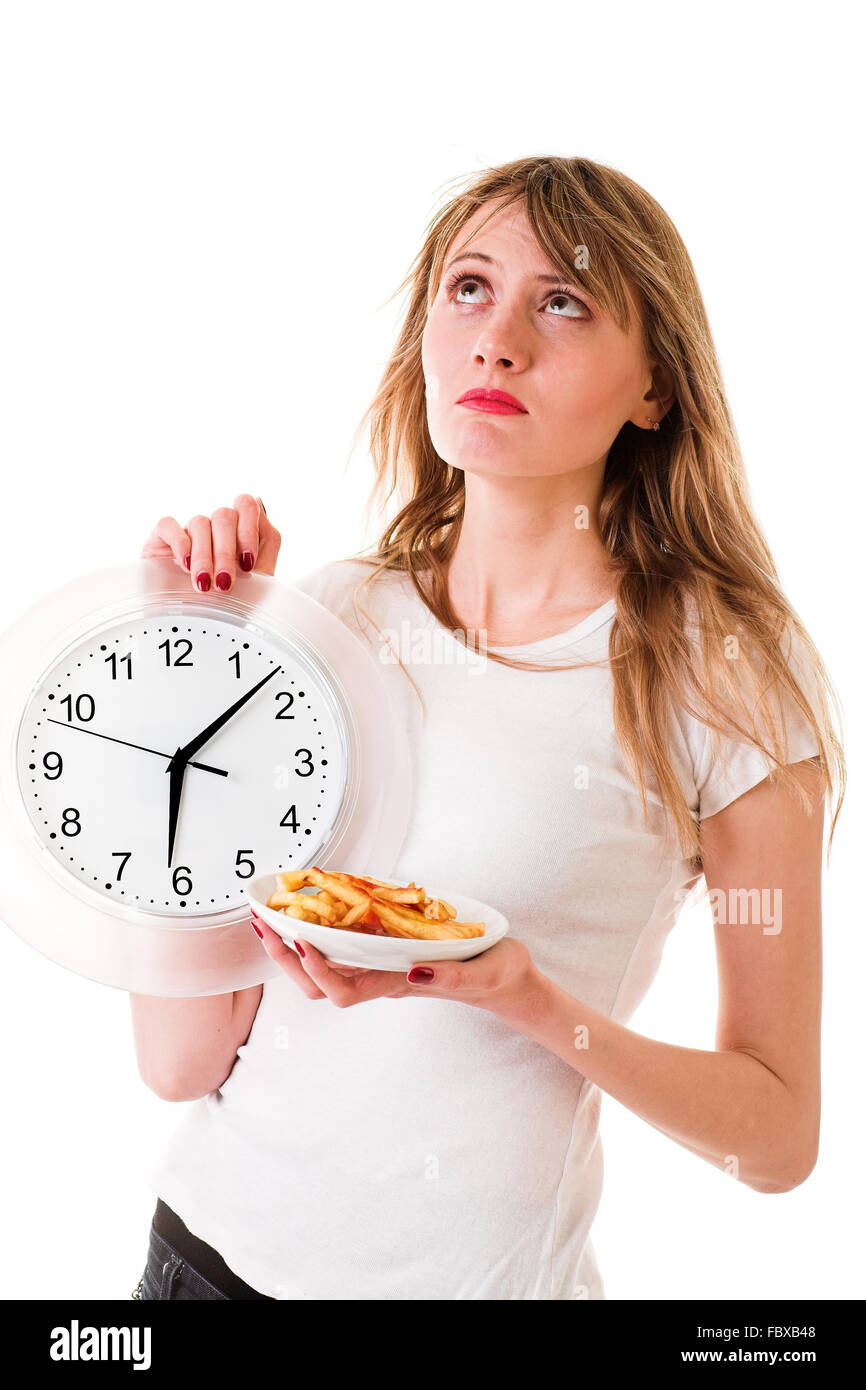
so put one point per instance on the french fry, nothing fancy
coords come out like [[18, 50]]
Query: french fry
[[340, 889], [447, 928], [299, 914], [465, 929], [400, 895], [307, 902], [289, 883], [354, 913], [374, 882], [389, 891], [439, 911], [281, 899], [416, 925]]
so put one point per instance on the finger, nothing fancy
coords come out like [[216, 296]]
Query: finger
[[247, 509], [317, 967], [288, 960], [270, 541], [168, 539], [224, 529], [201, 567], [359, 988]]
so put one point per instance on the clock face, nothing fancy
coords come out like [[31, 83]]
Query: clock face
[[165, 759]]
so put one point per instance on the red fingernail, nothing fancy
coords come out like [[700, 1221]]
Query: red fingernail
[[203, 581], [299, 948], [255, 928], [247, 560], [419, 975], [186, 560], [223, 580]]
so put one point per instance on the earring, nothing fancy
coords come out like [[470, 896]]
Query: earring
[[655, 424]]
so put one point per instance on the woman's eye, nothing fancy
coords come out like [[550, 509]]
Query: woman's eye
[[578, 308], [471, 285]]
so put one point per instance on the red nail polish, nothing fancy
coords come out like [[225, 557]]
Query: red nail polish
[[203, 581], [419, 975], [299, 948], [186, 560], [223, 580], [247, 560], [256, 930]]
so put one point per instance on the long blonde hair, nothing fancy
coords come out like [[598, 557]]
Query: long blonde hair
[[675, 514]]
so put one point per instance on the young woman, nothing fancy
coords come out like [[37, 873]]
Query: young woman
[[617, 702]]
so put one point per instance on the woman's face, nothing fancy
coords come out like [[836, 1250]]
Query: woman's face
[[509, 323]]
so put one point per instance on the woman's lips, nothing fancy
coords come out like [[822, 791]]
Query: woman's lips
[[492, 401], [492, 407]]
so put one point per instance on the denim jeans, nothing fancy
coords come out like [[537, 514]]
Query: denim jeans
[[167, 1275]]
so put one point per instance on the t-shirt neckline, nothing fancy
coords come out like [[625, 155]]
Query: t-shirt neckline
[[557, 640], [588, 624]]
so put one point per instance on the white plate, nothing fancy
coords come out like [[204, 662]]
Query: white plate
[[368, 952]]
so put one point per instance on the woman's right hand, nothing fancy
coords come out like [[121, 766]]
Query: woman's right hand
[[212, 547]]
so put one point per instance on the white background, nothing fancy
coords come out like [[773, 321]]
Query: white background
[[205, 210]]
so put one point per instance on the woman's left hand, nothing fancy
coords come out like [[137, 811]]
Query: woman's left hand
[[491, 980]]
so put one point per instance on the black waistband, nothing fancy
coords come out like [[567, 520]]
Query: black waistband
[[200, 1255]]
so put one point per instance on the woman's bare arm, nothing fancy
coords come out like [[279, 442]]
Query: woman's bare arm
[[187, 1047], [751, 1107]]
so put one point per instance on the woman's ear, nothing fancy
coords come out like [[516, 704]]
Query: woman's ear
[[657, 401]]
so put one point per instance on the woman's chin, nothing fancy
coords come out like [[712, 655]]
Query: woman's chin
[[490, 456], [486, 454]]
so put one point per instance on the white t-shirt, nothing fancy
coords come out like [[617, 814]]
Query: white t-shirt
[[421, 1148]]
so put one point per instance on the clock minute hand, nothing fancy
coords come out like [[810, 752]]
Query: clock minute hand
[[184, 754], [205, 767]]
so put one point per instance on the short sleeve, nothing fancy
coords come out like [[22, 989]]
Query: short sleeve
[[333, 586], [329, 584], [720, 781], [339, 587]]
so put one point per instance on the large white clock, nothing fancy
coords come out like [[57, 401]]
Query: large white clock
[[163, 760], [163, 748]]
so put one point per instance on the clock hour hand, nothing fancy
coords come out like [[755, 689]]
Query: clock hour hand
[[176, 770], [191, 748]]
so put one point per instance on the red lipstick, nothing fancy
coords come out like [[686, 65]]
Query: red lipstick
[[494, 402]]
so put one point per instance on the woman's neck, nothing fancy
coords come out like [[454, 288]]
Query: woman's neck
[[529, 562]]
